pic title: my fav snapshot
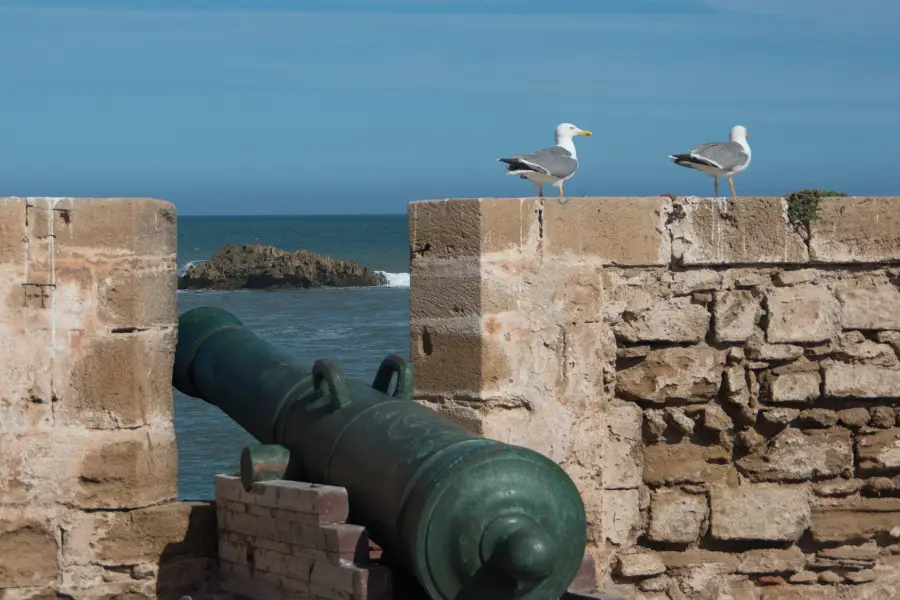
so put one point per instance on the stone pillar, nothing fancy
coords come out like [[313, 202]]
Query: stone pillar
[[508, 338], [88, 462]]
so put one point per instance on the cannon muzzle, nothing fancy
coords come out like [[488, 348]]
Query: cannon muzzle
[[470, 517]]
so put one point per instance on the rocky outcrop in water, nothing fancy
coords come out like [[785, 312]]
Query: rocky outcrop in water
[[254, 266]]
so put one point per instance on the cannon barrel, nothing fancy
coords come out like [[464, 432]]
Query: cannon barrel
[[469, 517]]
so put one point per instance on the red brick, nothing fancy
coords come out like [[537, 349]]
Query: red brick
[[349, 542]]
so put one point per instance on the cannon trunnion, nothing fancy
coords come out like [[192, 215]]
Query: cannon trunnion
[[469, 517]]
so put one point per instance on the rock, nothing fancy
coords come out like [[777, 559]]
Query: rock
[[882, 417], [837, 488], [779, 416], [655, 424], [847, 557], [695, 280], [760, 562], [854, 417], [621, 516], [829, 577], [736, 385], [774, 352], [861, 381], [802, 313], [879, 452], [28, 553], [818, 418], [793, 455], [772, 580], [801, 577], [854, 520], [786, 278], [654, 584], [640, 564], [632, 352], [715, 419], [734, 355], [872, 307], [672, 373], [759, 512], [735, 315], [667, 320], [880, 485], [701, 298], [866, 352], [254, 266], [676, 517], [791, 387], [666, 464], [680, 421], [861, 576], [621, 446], [891, 338], [750, 439]]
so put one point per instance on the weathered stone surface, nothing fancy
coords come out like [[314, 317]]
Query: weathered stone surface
[[638, 238], [621, 516], [762, 562], [28, 553], [679, 421], [676, 517], [837, 488], [779, 416], [854, 520], [719, 231], [716, 419], [792, 387], [759, 512], [785, 278], [861, 381], [803, 313], [622, 448], [872, 307], [735, 315], [655, 424], [640, 564], [821, 418], [882, 417], [683, 463], [793, 455], [856, 230], [673, 373], [774, 352], [879, 452], [860, 557], [670, 320], [854, 417]]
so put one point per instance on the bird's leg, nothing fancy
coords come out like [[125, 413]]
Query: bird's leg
[[560, 191], [716, 185], [540, 191], [733, 193]]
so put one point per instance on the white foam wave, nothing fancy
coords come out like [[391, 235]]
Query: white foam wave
[[186, 266], [398, 280]]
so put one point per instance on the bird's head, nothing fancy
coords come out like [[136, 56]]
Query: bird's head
[[739, 133], [568, 131]]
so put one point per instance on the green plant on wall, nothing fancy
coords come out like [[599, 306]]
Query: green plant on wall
[[804, 205]]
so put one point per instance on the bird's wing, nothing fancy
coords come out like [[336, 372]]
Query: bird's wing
[[555, 161], [724, 155]]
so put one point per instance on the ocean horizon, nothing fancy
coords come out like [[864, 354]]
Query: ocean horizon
[[355, 327]]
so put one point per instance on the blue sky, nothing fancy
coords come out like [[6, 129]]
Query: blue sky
[[260, 107]]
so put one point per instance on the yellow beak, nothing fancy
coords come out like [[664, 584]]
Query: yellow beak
[[747, 135], [585, 132]]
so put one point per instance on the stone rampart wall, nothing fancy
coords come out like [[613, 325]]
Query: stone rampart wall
[[723, 386]]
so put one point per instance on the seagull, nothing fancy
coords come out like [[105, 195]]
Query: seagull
[[551, 165], [719, 159]]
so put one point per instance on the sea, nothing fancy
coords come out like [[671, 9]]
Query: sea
[[355, 327]]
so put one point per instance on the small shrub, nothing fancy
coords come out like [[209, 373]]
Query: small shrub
[[804, 205]]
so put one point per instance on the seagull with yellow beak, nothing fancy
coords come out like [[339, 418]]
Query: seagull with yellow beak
[[719, 159], [554, 165]]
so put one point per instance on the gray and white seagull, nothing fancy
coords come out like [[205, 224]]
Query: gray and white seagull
[[554, 165], [719, 159]]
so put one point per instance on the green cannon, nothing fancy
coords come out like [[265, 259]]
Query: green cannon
[[469, 517]]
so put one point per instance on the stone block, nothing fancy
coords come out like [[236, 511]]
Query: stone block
[[676, 517], [12, 230], [28, 551], [871, 307], [112, 227], [794, 455], [673, 373], [759, 512], [667, 464], [138, 293], [622, 447], [117, 380], [792, 387], [735, 315], [640, 565], [445, 288], [614, 231], [802, 313], [856, 230], [879, 452], [621, 516], [861, 381], [710, 231], [325, 501], [668, 320], [854, 520], [766, 561]]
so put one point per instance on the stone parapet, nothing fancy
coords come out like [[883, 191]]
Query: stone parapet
[[723, 386], [87, 444]]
